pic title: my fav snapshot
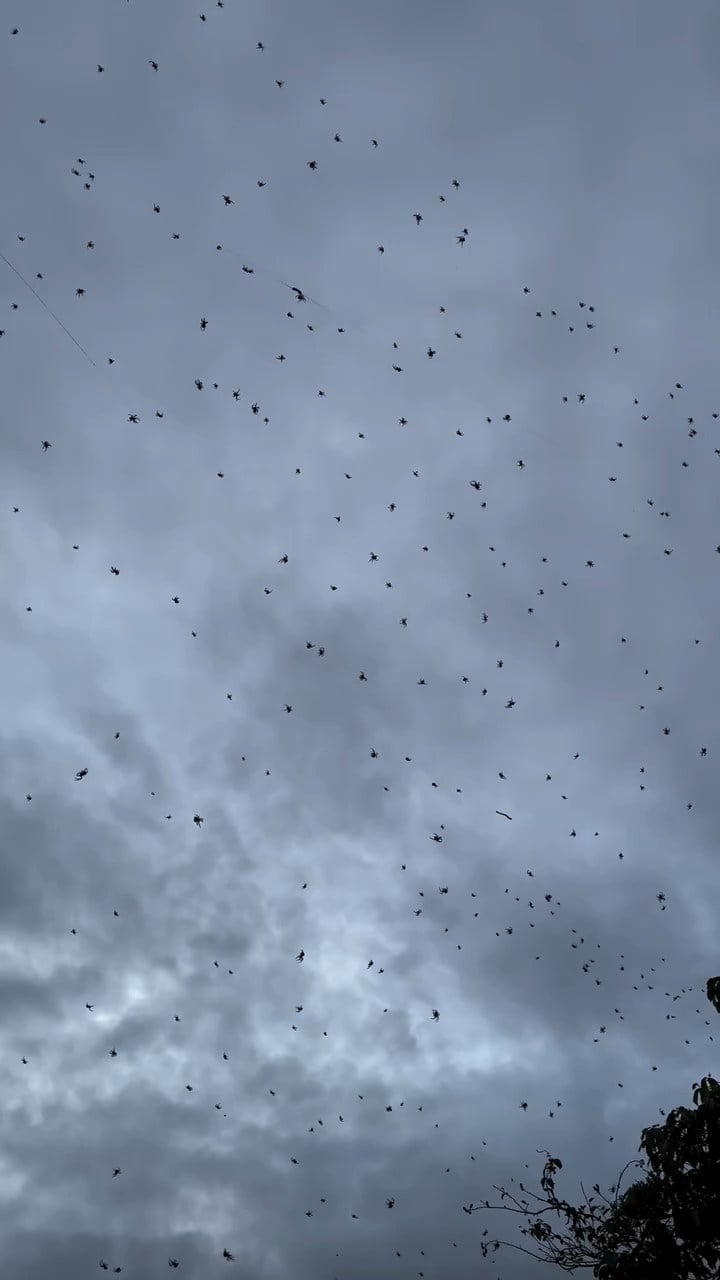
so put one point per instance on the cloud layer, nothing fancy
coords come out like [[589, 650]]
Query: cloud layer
[[521, 646]]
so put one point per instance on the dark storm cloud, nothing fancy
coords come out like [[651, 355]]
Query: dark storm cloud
[[580, 145]]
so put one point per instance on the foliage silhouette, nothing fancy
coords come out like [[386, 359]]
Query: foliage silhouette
[[666, 1224]]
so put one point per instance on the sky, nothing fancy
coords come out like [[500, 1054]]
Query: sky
[[334, 635]]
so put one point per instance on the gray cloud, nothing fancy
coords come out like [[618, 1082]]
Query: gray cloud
[[580, 145]]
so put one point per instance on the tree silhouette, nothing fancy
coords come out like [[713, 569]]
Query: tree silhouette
[[666, 1224]]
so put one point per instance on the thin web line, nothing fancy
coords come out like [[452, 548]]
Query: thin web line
[[272, 275], [47, 308]]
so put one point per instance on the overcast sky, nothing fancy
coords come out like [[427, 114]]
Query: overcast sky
[[562, 619]]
